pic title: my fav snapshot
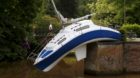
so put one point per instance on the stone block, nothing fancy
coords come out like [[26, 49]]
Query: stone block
[[104, 58], [132, 57]]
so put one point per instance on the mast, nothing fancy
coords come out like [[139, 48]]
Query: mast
[[59, 15], [65, 21]]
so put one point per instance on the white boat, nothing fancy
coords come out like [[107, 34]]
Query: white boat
[[75, 36]]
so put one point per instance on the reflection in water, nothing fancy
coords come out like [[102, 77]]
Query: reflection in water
[[116, 76]]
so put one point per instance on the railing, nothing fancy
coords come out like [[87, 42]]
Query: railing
[[33, 55]]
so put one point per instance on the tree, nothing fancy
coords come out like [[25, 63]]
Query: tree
[[15, 17], [83, 7], [68, 8], [108, 12]]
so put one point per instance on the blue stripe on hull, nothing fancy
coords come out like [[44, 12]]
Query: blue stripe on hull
[[75, 42]]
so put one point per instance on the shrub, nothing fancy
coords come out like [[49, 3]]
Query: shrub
[[43, 23], [128, 28]]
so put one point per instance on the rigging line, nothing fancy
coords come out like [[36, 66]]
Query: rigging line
[[33, 54], [43, 42], [37, 48]]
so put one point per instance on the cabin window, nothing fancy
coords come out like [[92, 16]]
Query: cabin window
[[62, 40], [82, 28], [44, 53], [47, 53]]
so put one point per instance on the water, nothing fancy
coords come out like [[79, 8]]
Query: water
[[116, 76], [62, 70]]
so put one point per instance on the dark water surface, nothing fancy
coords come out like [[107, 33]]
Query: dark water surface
[[62, 70], [115, 76]]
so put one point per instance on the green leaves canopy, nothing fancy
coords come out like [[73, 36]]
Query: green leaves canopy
[[15, 17], [108, 12]]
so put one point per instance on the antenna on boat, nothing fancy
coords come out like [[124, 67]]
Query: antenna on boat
[[65, 21]]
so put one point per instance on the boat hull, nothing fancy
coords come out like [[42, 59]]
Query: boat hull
[[97, 35]]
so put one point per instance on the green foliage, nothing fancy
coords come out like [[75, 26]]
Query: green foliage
[[104, 12], [15, 17], [83, 7], [50, 10], [109, 12], [42, 24], [68, 8], [127, 28]]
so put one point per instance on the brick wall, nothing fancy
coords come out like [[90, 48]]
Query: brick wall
[[109, 58], [132, 57], [112, 57], [105, 58]]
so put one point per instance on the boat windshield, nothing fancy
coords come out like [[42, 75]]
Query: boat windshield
[[44, 51]]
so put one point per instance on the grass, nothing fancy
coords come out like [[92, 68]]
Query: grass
[[70, 60], [133, 39]]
